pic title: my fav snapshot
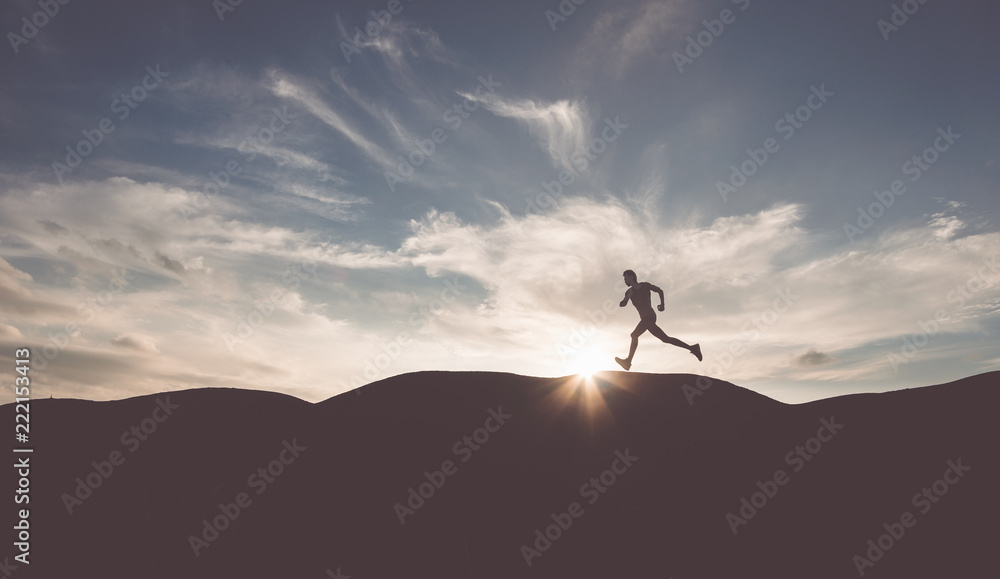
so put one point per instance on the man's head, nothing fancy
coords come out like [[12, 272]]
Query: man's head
[[629, 276]]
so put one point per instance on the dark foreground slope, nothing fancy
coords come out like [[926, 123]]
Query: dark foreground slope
[[670, 471]]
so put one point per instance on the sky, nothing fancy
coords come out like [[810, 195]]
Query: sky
[[306, 197]]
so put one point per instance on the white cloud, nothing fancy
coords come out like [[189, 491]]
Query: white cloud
[[17, 300], [529, 285], [543, 273], [8, 332], [561, 127]]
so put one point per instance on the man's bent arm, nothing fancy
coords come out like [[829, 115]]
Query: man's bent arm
[[659, 291], [624, 302]]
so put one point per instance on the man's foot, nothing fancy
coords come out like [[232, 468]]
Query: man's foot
[[696, 350], [623, 363]]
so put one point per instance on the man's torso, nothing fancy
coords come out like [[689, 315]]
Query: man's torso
[[641, 299]]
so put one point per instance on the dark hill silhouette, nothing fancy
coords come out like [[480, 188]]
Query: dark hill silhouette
[[332, 505]]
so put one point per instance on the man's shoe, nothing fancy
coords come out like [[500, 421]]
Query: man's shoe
[[623, 363], [696, 350]]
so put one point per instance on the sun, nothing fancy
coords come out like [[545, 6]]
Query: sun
[[585, 366], [586, 362]]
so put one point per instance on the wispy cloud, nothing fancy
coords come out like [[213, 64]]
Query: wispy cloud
[[296, 91], [623, 36], [560, 127]]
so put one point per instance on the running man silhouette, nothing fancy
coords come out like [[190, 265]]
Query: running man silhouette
[[639, 293]]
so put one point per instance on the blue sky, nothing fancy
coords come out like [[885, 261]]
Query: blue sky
[[257, 196]]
